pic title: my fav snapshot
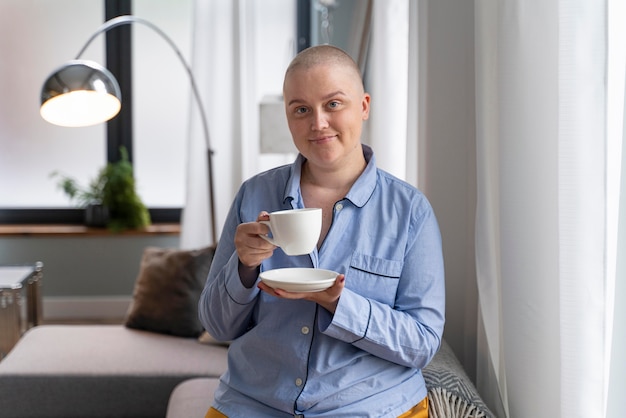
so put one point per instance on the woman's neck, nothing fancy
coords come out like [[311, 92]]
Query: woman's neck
[[339, 179]]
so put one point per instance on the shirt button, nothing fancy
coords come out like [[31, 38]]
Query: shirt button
[[338, 206], [305, 330], [298, 382]]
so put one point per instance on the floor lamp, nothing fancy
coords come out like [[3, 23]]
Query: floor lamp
[[83, 93]]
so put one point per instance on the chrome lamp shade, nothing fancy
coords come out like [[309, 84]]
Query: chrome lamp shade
[[80, 93]]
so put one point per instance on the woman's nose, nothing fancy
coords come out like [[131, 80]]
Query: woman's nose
[[319, 121]]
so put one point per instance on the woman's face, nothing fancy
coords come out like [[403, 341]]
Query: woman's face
[[326, 107]]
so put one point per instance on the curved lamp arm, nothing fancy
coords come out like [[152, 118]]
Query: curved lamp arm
[[57, 85], [127, 20]]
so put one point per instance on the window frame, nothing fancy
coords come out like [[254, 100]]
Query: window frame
[[118, 133]]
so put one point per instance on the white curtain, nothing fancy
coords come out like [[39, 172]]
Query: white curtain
[[546, 245], [216, 45], [615, 347], [196, 225], [241, 49], [388, 81]]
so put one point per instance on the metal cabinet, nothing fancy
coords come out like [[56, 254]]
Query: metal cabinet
[[20, 302]]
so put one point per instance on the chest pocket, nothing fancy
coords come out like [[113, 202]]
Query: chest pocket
[[373, 277]]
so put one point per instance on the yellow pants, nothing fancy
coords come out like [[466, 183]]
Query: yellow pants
[[418, 411]]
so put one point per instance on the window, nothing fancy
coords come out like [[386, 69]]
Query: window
[[30, 149]]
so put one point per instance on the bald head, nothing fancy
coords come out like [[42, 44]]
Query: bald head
[[326, 55]]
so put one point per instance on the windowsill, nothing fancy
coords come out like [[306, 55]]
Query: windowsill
[[8, 230]]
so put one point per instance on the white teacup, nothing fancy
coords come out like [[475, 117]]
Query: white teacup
[[296, 231]]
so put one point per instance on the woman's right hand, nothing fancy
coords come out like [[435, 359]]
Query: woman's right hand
[[251, 248]]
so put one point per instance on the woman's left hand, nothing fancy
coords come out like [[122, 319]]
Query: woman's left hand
[[327, 298]]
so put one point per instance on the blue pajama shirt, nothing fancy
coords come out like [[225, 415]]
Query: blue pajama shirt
[[294, 358]]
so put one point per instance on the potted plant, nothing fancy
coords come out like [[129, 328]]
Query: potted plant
[[110, 199], [90, 198]]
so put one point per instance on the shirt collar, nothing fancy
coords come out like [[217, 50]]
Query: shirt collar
[[359, 194]]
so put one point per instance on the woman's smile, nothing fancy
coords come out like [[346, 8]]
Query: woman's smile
[[322, 139]]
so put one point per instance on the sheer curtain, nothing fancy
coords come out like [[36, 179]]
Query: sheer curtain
[[221, 55], [615, 348], [387, 77], [240, 51], [212, 32], [546, 247]]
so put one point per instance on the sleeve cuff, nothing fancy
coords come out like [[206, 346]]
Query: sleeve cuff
[[351, 319], [235, 289]]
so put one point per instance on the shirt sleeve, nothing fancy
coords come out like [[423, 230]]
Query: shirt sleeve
[[226, 305], [408, 333]]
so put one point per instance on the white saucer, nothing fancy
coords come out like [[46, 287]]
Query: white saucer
[[299, 279]]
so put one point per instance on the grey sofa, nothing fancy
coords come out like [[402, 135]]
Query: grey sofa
[[84, 371], [154, 365], [67, 371]]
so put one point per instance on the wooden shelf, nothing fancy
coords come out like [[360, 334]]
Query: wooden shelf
[[81, 230]]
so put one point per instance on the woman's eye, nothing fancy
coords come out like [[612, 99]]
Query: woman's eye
[[334, 104], [300, 110]]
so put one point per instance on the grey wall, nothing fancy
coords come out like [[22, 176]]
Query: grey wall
[[448, 160], [88, 269]]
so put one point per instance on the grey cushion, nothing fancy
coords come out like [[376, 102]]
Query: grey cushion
[[100, 371], [192, 398]]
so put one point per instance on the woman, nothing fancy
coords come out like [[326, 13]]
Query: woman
[[356, 348]]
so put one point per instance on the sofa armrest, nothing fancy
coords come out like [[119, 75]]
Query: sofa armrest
[[451, 393]]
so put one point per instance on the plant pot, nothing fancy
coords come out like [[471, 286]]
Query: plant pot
[[96, 216]]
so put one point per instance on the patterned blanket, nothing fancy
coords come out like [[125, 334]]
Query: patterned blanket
[[451, 394]]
